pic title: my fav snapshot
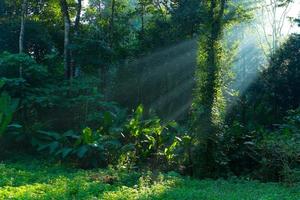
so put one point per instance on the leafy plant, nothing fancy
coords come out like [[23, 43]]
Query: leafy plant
[[153, 140], [88, 148], [7, 108]]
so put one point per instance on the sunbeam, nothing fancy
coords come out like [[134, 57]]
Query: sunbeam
[[177, 61]]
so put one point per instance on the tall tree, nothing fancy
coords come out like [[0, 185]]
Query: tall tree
[[272, 19], [208, 105], [78, 15], [67, 26], [22, 27], [69, 62], [74, 67], [208, 83], [141, 9], [22, 30], [112, 21]]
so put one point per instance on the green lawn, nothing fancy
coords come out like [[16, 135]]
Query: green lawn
[[33, 179]]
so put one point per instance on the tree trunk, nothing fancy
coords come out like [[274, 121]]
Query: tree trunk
[[143, 23], [105, 69], [207, 128], [22, 29], [78, 15], [67, 24], [74, 67], [213, 83], [112, 19], [208, 160], [21, 36]]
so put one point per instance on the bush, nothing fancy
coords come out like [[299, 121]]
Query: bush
[[239, 148], [72, 105], [280, 150], [122, 142], [154, 141], [87, 148], [266, 154], [31, 72]]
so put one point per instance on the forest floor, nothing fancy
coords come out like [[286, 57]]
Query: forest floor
[[31, 178]]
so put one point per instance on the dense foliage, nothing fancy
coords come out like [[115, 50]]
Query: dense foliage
[[158, 85], [265, 125]]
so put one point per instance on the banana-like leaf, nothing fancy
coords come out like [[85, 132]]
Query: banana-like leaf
[[7, 108], [82, 151]]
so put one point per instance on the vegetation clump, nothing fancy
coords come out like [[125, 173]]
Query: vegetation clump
[[29, 178], [142, 99]]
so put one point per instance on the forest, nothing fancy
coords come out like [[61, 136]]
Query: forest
[[150, 99]]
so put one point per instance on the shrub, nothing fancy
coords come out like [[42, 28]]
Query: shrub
[[87, 148], [280, 150], [154, 141], [31, 72], [125, 143]]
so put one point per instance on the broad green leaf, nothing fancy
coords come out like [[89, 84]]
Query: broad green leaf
[[66, 152], [82, 151]]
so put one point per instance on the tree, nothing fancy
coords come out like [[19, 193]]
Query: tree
[[74, 68], [67, 26], [208, 104], [141, 9], [207, 85], [272, 19], [21, 36], [69, 63], [277, 88], [186, 11]]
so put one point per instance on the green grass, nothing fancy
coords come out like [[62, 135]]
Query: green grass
[[34, 179]]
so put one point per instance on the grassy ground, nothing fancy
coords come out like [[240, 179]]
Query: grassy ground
[[33, 179]]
